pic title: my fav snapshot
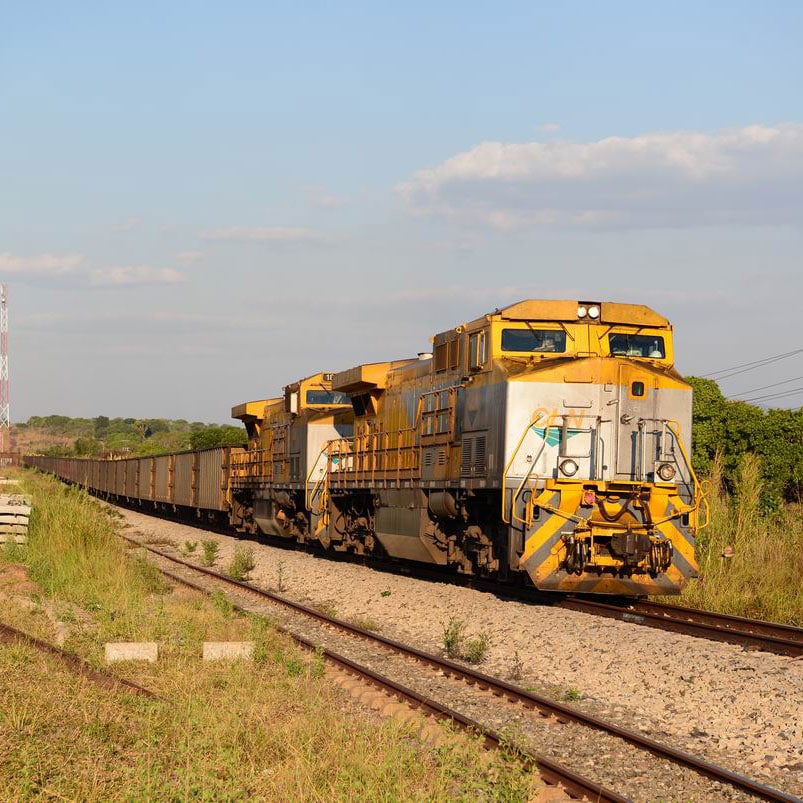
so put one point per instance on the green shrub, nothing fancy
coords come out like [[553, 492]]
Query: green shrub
[[211, 549], [242, 563]]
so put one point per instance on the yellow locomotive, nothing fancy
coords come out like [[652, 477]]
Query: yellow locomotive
[[549, 438]]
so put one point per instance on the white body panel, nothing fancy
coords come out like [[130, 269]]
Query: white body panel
[[604, 446]]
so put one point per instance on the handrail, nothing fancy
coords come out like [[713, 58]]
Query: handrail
[[531, 423], [700, 496], [525, 480], [307, 496]]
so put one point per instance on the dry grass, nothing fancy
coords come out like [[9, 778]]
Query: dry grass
[[271, 729], [764, 578]]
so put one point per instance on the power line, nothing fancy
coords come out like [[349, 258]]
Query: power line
[[765, 387], [735, 370], [774, 395]]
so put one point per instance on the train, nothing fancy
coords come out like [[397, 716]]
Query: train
[[546, 442]]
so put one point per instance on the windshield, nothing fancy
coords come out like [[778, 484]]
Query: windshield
[[623, 345], [533, 340], [327, 397]]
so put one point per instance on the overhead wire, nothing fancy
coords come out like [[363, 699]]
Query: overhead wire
[[735, 370], [765, 387], [780, 395]]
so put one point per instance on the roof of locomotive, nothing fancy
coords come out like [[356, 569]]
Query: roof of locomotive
[[611, 312], [252, 410]]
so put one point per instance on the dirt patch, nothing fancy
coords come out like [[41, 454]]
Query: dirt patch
[[14, 580]]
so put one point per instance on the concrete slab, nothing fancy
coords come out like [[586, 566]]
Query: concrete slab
[[13, 538], [228, 650], [132, 651]]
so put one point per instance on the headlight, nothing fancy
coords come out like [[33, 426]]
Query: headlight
[[593, 312], [666, 471], [569, 468], [582, 312]]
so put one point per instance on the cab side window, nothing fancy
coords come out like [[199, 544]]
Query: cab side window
[[477, 350]]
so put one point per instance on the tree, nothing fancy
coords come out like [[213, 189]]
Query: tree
[[218, 436], [101, 426]]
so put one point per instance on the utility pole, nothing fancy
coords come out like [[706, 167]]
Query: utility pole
[[5, 410]]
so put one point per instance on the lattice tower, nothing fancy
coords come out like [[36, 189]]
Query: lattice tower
[[5, 408]]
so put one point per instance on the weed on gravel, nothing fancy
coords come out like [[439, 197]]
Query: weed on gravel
[[281, 576], [366, 623], [457, 645], [326, 607], [211, 550], [242, 563]]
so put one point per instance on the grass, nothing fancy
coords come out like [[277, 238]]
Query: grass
[[271, 729], [326, 607], [764, 577], [366, 623], [74, 555]]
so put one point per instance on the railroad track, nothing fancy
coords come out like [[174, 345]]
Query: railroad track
[[74, 662], [552, 772], [753, 634]]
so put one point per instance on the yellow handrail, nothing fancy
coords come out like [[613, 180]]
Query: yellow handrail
[[531, 423], [700, 496], [307, 496]]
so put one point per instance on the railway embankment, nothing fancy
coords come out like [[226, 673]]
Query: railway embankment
[[735, 707], [273, 727]]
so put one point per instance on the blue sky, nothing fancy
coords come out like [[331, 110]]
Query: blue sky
[[200, 204]]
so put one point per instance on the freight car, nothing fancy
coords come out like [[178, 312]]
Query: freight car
[[192, 483], [548, 439]]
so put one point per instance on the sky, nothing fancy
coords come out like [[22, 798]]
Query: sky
[[201, 203]]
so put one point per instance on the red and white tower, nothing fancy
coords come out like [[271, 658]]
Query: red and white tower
[[5, 409]]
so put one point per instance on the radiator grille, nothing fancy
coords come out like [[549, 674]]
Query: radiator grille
[[474, 460]]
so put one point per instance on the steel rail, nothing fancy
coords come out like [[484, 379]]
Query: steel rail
[[553, 773], [501, 688], [9, 634], [753, 634]]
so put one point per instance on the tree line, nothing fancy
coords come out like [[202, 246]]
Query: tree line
[[136, 436]]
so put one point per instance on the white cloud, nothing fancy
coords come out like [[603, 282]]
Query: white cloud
[[135, 275], [190, 257], [129, 224], [42, 265], [271, 234], [325, 200], [548, 128], [750, 175]]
